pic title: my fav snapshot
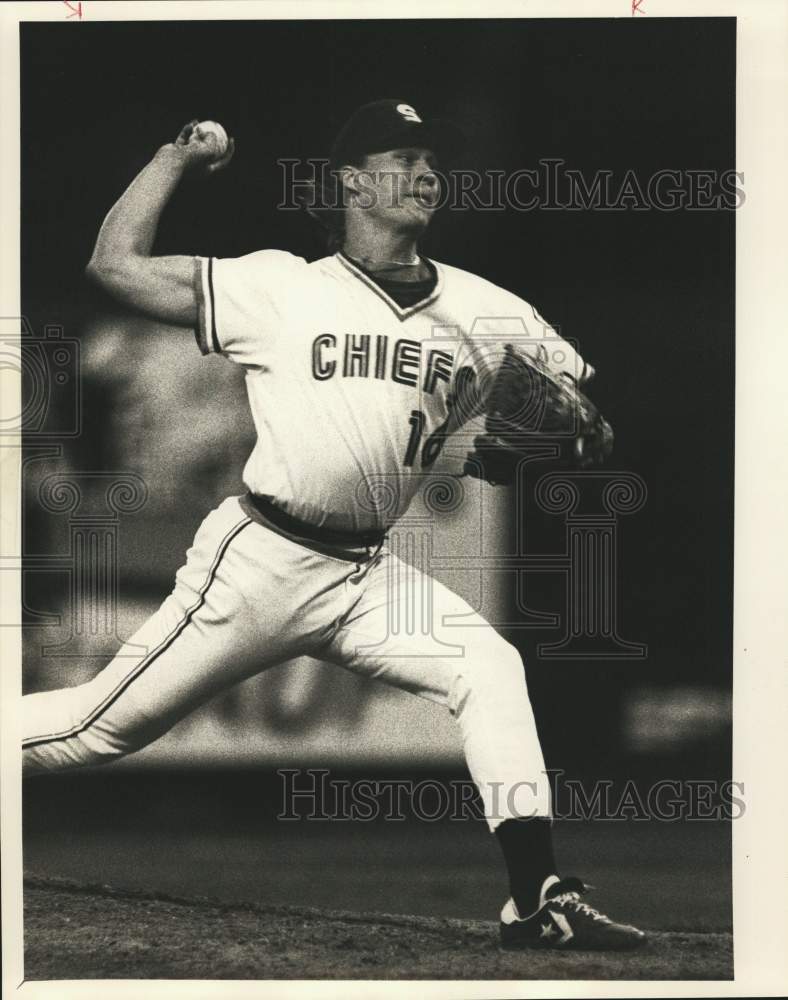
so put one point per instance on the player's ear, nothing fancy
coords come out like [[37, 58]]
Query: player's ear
[[347, 175]]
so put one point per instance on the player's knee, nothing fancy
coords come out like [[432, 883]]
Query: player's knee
[[505, 666], [495, 672], [83, 734], [110, 738], [84, 748]]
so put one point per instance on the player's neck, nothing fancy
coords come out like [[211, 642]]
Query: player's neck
[[381, 249]]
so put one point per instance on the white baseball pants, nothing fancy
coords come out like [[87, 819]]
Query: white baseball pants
[[249, 598]]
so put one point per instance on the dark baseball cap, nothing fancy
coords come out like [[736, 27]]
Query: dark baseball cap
[[393, 124]]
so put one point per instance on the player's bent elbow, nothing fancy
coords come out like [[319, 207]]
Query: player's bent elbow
[[118, 271], [159, 287], [93, 271], [106, 275]]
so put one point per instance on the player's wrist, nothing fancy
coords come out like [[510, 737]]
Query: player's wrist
[[171, 157]]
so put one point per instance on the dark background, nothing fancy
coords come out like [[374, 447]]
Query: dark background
[[649, 295]]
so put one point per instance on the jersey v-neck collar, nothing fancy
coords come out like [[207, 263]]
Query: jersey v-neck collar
[[398, 310]]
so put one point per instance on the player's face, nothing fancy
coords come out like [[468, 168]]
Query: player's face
[[400, 188]]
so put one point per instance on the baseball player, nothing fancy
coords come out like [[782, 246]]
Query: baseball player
[[352, 396]]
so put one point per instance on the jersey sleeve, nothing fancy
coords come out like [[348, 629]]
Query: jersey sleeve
[[245, 302], [559, 355]]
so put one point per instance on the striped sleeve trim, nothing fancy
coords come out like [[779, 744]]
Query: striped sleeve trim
[[205, 331]]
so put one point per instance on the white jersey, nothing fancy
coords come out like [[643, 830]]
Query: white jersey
[[352, 395]]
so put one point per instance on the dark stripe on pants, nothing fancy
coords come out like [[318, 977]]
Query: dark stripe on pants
[[111, 698]]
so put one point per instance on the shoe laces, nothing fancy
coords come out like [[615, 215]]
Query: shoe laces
[[571, 897]]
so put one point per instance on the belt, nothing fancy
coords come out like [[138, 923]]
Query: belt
[[330, 538]]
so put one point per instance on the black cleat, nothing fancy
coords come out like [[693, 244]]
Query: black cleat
[[565, 922]]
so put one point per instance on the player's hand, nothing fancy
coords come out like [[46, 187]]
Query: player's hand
[[200, 150], [594, 448]]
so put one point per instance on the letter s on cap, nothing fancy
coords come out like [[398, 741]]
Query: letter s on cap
[[408, 113]]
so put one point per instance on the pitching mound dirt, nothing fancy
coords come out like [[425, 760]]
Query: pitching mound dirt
[[77, 931]]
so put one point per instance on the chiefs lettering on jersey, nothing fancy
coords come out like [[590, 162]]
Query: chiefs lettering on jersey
[[324, 348]]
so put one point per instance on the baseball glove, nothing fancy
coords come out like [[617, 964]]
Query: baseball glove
[[528, 402]]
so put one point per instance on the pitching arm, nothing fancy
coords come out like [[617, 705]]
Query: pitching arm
[[162, 287]]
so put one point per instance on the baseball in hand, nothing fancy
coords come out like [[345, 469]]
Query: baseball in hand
[[214, 128]]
